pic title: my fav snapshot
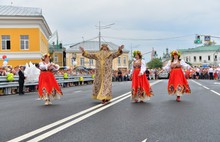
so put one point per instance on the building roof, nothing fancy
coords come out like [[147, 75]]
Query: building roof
[[19, 11], [92, 46], [13, 15], [201, 49]]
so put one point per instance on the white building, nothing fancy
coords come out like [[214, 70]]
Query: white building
[[202, 55]]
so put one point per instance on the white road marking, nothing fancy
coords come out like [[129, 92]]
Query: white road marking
[[90, 111], [215, 92], [77, 91], [205, 87], [145, 140], [208, 88], [32, 133], [217, 83], [71, 123], [196, 82]]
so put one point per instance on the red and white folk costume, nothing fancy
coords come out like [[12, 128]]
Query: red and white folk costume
[[48, 89], [177, 84], [141, 90]]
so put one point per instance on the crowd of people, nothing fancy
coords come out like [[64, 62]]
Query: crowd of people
[[48, 88], [210, 72], [196, 72]]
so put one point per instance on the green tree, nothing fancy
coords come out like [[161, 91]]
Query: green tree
[[155, 63]]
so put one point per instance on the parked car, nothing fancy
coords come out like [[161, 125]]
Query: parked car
[[164, 75]]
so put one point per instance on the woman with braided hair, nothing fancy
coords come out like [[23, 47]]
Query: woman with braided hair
[[177, 84], [141, 90]]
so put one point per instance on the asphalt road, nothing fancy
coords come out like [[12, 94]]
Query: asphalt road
[[195, 119]]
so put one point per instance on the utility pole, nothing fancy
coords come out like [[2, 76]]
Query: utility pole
[[103, 27], [99, 34]]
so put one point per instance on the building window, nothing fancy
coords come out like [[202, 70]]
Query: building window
[[91, 62], [194, 58], [209, 58], [119, 60], [124, 60], [215, 58], [187, 60], [55, 58], [82, 61], [200, 58], [6, 43], [24, 39]]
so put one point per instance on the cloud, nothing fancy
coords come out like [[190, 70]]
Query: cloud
[[75, 19]]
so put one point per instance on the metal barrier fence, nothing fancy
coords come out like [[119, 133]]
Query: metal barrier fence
[[7, 86]]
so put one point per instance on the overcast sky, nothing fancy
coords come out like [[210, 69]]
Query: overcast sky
[[75, 20]]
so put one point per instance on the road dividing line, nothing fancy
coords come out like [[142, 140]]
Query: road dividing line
[[196, 82], [215, 92], [205, 87], [145, 140], [71, 123], [32, 133], [200, 84], [90, 111]]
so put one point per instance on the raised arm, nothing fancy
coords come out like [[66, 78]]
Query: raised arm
[[119, 52], [167, 67], [87, 54], [184, 64]]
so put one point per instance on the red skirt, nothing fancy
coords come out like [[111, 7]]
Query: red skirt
[[48, 85], [141, 90], [177, 82], [215, 75]]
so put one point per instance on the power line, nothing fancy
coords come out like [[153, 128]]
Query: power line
[[107, 42], [149, 39], [83, 41]]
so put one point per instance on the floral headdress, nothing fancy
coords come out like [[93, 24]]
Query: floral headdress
[[175, 52], [45, 56], [135, 52]]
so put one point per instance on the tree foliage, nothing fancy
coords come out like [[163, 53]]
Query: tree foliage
[[155, 63]]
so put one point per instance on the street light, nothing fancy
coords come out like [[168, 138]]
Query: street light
[[103, 27]]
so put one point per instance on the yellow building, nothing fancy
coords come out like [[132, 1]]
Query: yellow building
[[74, 56], [57, 53], [24, 35]]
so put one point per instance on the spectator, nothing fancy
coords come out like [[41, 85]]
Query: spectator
[[210, 71], [147, 73], [119, 75], [21, 80]]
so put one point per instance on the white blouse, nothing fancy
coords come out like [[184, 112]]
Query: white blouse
[[182, 63], [143, 67], [44, 66]]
